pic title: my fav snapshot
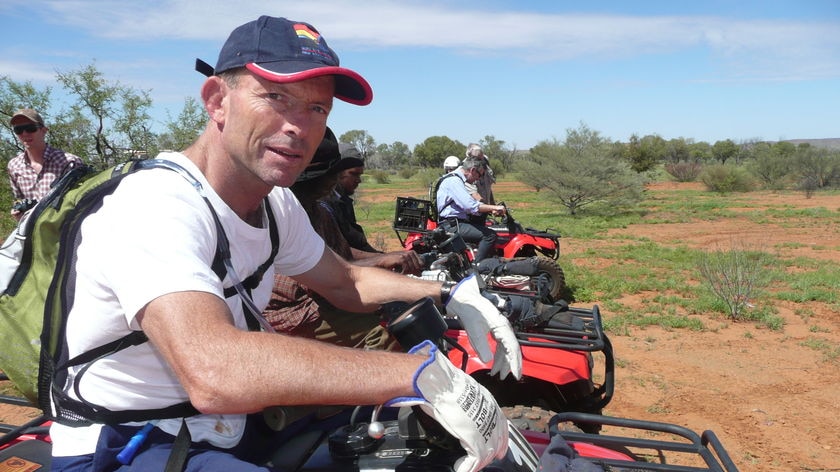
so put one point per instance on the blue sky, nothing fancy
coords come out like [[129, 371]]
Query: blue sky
[[522, 71]]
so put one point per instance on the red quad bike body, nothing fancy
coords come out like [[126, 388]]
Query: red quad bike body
[[557, 368], [515, 243], [557, 354]]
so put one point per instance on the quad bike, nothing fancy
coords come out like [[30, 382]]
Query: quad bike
[[525, 259], [557, 341], [410, 440]]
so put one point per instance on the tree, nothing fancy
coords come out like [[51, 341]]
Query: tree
[[500, 155], [815, 167], [432, 151], [117, 116], [769, 166], [676, 150], [724, 150], [391, 156], [644, 153], [580, 172], [181, 132], [361, 140], [700, 152]]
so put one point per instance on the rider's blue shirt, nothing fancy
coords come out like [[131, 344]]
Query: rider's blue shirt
[[453, 200]]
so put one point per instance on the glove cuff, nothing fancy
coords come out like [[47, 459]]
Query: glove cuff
[[446, 291]]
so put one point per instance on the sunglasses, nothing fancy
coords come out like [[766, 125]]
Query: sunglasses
[[28, 128]]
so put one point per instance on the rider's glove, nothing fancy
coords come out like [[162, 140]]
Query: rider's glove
[[480, 317], [461, 405]]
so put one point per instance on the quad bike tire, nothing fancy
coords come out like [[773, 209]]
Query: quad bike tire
[[549, 269], [528, 418]]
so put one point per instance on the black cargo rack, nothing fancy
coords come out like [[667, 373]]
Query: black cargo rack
[[411, 216], [706, 446]]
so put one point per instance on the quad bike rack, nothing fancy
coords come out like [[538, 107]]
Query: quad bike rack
[[411, 216], [26, 446], [704, 451]]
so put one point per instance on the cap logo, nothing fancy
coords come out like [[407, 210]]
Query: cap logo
[[304, 31], [312, 43]]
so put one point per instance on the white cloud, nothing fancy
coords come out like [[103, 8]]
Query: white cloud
[[807, 47]]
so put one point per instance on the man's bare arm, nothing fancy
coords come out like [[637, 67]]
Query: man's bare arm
[[228, 370]]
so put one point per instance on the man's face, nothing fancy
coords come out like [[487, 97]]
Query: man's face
[[273, 129], [30, 134], [349, 179], [474, 174]]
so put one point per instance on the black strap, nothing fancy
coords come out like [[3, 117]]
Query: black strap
[[253, 281], [83, 411], [437, 188], [180, 449]]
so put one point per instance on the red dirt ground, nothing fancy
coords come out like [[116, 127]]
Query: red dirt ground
[[773, 401]]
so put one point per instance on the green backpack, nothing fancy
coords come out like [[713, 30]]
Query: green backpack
[[38, 295]]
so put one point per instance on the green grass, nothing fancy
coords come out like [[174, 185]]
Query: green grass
[[666, 278]]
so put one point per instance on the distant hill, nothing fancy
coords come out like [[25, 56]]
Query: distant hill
[[830, 143]]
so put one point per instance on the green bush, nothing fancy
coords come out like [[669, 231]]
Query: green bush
[[727, 178], [407, 172], [427, 177], [380, 176]]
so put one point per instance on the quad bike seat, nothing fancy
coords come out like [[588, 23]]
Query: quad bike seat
[[31, 454]]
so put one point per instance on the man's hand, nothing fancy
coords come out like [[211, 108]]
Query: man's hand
[[480, 317], [461, 405]]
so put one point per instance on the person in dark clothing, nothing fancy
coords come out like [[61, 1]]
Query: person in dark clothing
[[340, 204]]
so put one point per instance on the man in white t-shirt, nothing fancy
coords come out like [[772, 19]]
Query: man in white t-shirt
[[144, 264]]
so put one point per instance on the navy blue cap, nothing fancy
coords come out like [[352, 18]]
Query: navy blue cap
[[350, 157], [284, 51]]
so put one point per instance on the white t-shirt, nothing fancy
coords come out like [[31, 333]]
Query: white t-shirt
[[155, 235]]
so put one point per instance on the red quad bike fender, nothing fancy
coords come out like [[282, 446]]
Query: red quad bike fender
[[551, 365], [517, 243]]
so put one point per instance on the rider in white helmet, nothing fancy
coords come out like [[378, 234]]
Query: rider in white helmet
[[451, 163]]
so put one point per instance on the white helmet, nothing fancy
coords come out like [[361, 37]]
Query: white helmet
[[451, 163]]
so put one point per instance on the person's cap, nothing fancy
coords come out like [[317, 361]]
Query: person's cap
[[325, 159], [451, 162], [474, 150], [285, 51], [350, 157], [29, 114]]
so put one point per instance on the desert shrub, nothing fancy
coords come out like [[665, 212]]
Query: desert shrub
[[735, 276], [427, 177], [684, 171], [726, 178], [407, 172], [380, 176]]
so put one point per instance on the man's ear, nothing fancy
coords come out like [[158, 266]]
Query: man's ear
[[213, 94]]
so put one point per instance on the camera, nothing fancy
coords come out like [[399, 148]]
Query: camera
[[24, 204]]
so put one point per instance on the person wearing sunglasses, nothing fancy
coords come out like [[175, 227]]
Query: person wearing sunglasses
[[32, 172]]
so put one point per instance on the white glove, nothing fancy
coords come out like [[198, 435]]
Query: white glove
[[480, 317], [461, 405]]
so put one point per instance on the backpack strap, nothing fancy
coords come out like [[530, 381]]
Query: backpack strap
[[433, 195], [83, 412]]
